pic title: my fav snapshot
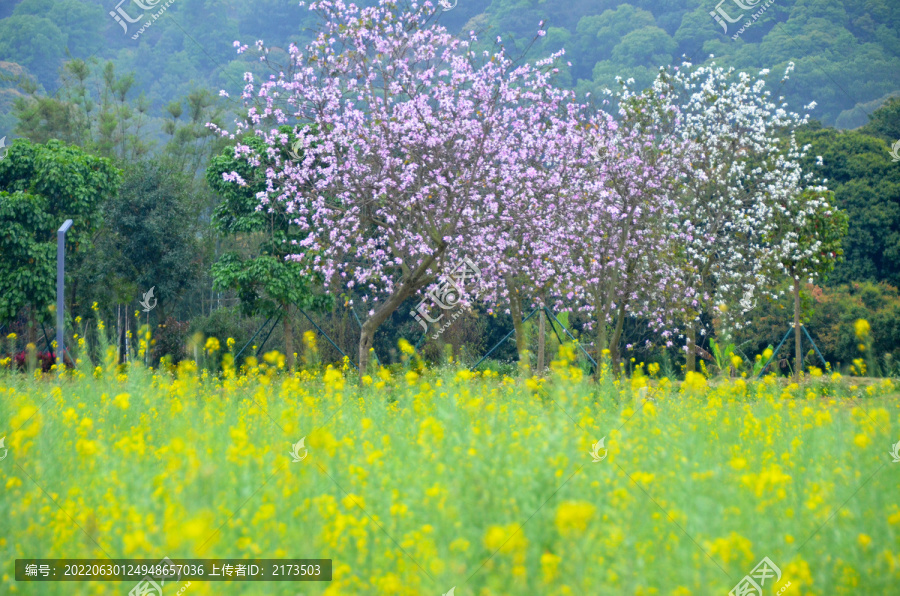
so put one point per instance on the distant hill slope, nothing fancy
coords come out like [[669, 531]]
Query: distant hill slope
[[847, 54]]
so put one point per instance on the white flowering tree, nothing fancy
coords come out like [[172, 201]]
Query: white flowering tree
[[807, 245], [745, 163]]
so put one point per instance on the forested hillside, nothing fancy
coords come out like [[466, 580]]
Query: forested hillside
[[847, 53]]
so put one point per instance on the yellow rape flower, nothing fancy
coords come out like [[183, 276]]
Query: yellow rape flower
[[550, 567], [121, 400], [406, 347], [506, 539], [573, 517]]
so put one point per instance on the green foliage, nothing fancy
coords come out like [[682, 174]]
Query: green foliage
[[885, 121], [847, 54], [263, 279], [830, 314], [101, 111], [35, 42], [42, 186], [722, 355], [837, 310], [82, 22], [761, 361], [106, 122], [28, 260], [149, 238], [170, 338], [236, 212], [265, 282], [643, 47], [866, 184], [73, 182], [598, 35], [848, 58], [193, 143]]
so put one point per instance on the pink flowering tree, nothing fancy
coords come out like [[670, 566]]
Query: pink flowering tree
[[619, 222], [527, 251], [591, 225], [410, 163]]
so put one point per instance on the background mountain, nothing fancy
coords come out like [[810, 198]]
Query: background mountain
[[847, 54]]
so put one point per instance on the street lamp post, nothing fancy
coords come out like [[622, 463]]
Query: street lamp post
[[60, 290]]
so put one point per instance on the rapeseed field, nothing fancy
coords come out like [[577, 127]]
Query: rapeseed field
[[423, 481]]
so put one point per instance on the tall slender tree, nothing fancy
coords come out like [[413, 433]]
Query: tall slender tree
[[807, 246]]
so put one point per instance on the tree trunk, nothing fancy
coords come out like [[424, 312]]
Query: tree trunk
[[617, 336], [798, 342], [691, 356], [288, 327], [120, 335], [601, 337], [32, 326], [515, 309], [366, 335], [542, 334], [605, 301], [367, 332]]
